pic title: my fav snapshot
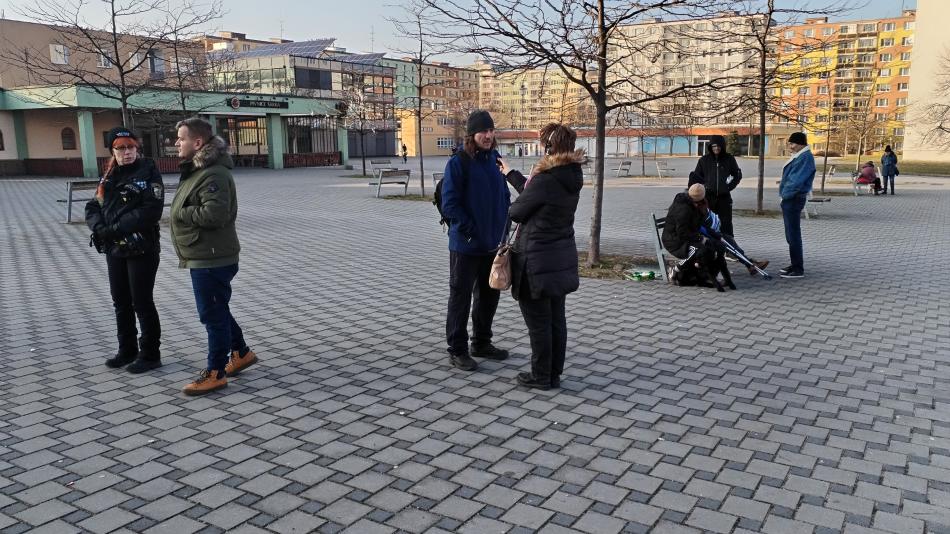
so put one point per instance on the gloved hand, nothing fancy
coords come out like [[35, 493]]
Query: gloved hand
[[108, 232]]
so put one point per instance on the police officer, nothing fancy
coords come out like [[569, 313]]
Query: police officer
[[124, 219]]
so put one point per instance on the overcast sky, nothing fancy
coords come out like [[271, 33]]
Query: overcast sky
[[361, 25]]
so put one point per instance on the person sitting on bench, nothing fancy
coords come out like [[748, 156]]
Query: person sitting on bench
[[682, 238], [712, 222], [869, 176]]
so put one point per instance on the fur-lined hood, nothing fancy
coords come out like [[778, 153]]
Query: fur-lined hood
[[550, 161], [214, 151]]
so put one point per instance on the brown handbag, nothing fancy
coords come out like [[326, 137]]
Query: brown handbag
[[500, 276]]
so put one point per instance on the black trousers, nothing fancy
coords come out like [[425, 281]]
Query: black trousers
[[547, 328], [468, 278], [722, 206], [131, 281]]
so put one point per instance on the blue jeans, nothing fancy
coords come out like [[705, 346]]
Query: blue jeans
[[212, 289], [792, 214]]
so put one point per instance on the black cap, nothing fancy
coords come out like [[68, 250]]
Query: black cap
[[120, 132], [798, 138], [479, 121]]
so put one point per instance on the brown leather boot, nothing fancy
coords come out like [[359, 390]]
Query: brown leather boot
[[206, 382], [238, 363]]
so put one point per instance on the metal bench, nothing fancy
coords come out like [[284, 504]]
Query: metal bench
[[857, 186], [73, 186], [663, 166], [812, 203], [662, 255], [624, 168], [392, 176]]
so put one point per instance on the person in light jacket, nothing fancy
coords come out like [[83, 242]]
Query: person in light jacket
[[797, 178], [544, 258]]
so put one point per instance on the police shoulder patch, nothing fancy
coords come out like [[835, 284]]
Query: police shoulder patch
[[213, 187], [157, 190]]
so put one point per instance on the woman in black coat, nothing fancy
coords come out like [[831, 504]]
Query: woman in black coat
[[124, 219], [544, 258]]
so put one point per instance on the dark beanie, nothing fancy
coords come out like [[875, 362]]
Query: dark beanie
[[120, 132], [798, 138], [479, 121]]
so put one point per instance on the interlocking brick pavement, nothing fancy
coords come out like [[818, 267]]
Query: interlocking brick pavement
[[816, 405]]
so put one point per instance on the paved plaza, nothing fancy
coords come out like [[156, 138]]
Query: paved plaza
[[789, 406]]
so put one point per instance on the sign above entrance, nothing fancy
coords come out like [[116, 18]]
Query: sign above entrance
[[236, 103]]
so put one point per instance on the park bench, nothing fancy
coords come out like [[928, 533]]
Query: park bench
[[857, 186], [84, 184], [812, 203], [624, 168], [379, 165], [392, 176], [663, 167], [663, 257]]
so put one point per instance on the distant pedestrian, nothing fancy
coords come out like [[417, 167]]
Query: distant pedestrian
[[544, 258], [719, 172], [123, 218], [205, 239], [475, 201], [405, 154], [797, 178], [889, 168]]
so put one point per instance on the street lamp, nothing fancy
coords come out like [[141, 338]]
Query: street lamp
[[524, 92]]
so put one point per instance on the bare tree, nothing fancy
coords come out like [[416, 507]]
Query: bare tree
[[191, 67], [358, 113], [936, 114], [587, 41], [117, 58], [413, 26], [765, 21]]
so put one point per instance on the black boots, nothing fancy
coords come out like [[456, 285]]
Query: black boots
[[489, 352], [121, 360], [145, 362]]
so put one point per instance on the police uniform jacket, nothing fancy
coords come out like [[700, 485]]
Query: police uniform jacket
[[134, 196]]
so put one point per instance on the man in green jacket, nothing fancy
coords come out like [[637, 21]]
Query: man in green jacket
[[204, 237]]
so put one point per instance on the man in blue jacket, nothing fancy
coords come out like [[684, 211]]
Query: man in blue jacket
[[797, 177], [475, 201]]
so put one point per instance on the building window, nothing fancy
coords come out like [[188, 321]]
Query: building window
[[888, 27], [444, 142], [869, 27], [905, 71], [823, 90], [828, 31], [881, 102], [907, 41], [845, 29], [68, 137], [898, 131], [809, 32], [59, 54], [789, 34], [884, 72], [786, 91], [886, 57], [135, 61], [908, 25], [866, 42], [156, 63], [103, 60], [883, 88], [1, 141], [887, 42], [803, 90], [901, 102], [902, 86], [905, 56]]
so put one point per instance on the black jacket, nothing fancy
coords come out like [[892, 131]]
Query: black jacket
[[712, 171], [134, 196], [545, 253], [681, 228]]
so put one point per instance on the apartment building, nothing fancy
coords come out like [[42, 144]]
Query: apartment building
[[847, 83], [527, 101], [928, 89], [448, 95]]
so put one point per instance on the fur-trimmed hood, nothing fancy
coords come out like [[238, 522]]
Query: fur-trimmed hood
[[214, 151], [550, 161]]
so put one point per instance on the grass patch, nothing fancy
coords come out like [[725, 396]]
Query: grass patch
[[924, 168], [416, 198], [612, 266], [769, 214]]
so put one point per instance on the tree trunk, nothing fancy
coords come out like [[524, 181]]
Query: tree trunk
[[363, 150], [643, 159], [422, 173], [600, 129], [825, 171], [763, 104]]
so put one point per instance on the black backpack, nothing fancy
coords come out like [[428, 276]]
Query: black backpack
[[437, 195]]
